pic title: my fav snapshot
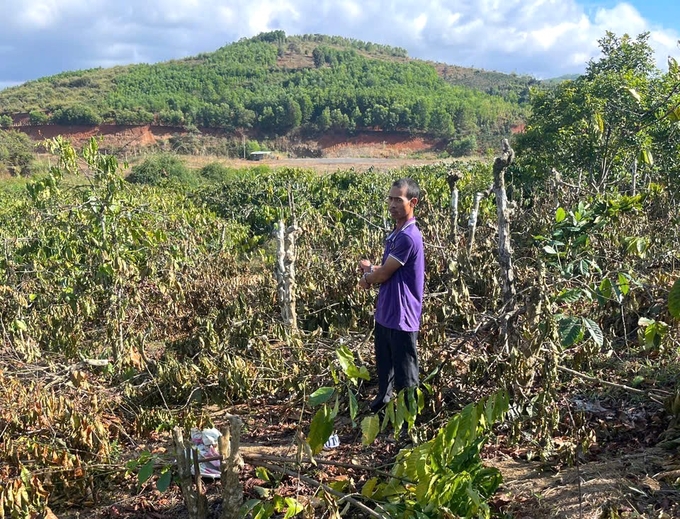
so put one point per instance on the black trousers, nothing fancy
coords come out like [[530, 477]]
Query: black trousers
[[396, 358]]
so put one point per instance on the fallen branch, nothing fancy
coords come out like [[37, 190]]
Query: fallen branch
[[650, 394], [282, 459], [309, 481], [354, 466]]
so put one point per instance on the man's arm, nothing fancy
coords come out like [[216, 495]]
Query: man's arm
[[380, 273]]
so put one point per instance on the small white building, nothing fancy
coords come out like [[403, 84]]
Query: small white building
[[259, 155]]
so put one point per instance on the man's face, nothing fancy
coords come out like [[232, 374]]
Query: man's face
[[399, 205]]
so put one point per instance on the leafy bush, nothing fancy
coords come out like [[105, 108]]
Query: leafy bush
[[16, 153], [76, 114], [160, 170], [445, 477], [463, 147], [38, 117], [139, 116], [216, 172], [5, 121]]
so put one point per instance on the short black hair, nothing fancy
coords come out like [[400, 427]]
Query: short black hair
[[412, 187]]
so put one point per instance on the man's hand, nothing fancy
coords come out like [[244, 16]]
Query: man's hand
[[364, 266], [363, 283]]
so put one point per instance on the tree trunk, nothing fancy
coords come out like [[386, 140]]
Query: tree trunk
[[452, 179], [194, 499], [285, 272], [232, 490], [504, 242], [504, 245]]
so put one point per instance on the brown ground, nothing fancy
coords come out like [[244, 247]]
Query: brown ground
[[613, 483]]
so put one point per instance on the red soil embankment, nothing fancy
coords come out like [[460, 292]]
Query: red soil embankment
[[112, 135], [373, 143]]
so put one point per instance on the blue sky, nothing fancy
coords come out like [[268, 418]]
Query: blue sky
[[661, 12], [542, 38]]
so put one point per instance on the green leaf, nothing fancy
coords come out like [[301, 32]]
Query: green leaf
[[390, 415], [594, 330], [645, 156], [549, 250], [20, 325], [624, 284], [606, 288], [339, 485], [644, 321], [636, 245], [599, 121], [320, 429], [353, 405], [262, 473], [345, 357], [635, 94], [355, 373], [560, 215], [674, 299], [570, 331], [263, 510], [248, 507], [369, 487], [370, 427], [336, 407], [570, 296], [674, 115], [145, 472], [294, 508], [321, 396], [421, 400], [164, 481]]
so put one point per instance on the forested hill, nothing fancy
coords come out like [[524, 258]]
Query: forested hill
[[276, 84]]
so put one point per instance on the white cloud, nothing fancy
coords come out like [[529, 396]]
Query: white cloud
[[544, 38]]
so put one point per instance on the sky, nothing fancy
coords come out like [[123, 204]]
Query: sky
[[540, 38]]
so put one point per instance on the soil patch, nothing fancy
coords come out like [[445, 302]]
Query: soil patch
[[112, 135], [368, 144], [634, 484]]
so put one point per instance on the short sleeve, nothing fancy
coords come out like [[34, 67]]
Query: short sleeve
[[402, 248]]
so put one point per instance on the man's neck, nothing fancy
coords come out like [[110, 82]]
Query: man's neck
[[400, 223]]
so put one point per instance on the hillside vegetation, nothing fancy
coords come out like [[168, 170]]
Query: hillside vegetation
[[276, 85]]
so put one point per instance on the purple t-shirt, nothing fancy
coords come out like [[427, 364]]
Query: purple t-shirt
[[400, 299]]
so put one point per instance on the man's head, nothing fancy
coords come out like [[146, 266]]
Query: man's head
[[402, 199], [412, 187]]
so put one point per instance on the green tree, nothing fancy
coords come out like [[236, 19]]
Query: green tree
[[421, 113], [171, 117], [441, 123], [339, 121], [37, 117], [5, 121], [324, 119], [463, 147], [76, 114], [595, 127], [292, 114], [319, 57]]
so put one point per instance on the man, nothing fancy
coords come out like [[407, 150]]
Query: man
[[400, 300]]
